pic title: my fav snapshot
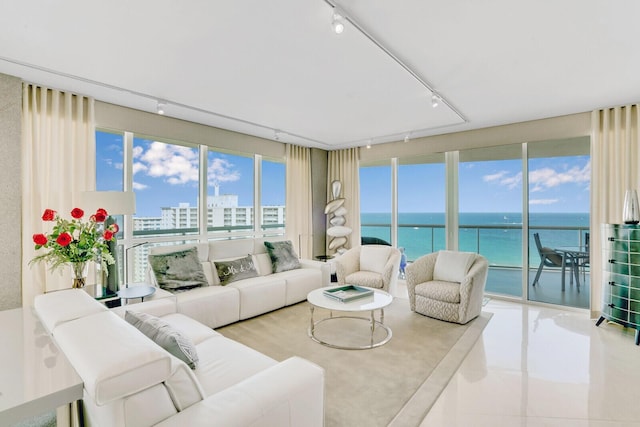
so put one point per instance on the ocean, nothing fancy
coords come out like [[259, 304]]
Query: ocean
[[496, 235]]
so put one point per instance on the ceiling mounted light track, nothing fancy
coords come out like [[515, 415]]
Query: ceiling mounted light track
[[160, 107], [354, 23], [435, 100], [337, 20]]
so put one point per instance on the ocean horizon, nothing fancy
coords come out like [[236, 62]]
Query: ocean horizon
[[498, 235]]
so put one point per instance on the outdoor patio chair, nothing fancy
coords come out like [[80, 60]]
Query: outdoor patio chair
[[552, 258]]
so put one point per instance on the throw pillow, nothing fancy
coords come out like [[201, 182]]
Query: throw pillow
[[237, 269], [374, 258], [282, 255], [165, 336], [178, 270], [452, 266]]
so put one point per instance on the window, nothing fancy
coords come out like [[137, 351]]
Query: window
[[375, 202], [273, 194], [421, 205], [559, 204], [165, 180], [229, 192], [490, 212], [168, 180]]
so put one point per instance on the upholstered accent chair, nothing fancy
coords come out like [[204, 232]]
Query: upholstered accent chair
[[447, 285], [375, 266]]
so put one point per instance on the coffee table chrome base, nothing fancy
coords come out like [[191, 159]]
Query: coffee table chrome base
[[372, 321]]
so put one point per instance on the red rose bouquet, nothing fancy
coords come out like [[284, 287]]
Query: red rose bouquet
[[74, 241]]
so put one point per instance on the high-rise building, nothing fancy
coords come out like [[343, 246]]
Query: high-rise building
[[222, 211]]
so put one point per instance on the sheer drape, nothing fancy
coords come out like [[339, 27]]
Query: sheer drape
[[58, 162], [344, 166], [614, 158], [299, 227]]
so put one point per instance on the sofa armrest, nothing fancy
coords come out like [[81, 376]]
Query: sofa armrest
[[323, 266], [290, 393], [347, 263], [472, 289]]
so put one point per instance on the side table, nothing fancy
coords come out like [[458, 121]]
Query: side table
[[138, 291], [35, 376]]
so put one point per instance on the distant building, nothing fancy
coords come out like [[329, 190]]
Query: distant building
[[222, 211]]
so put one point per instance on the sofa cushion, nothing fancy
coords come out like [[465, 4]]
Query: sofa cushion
[[226, 362], [178, 270], [263, 264], [165, 336], [55, 308], [112, 357], [452, 266], [374, 257], [440, 291], [234, 270], [283, 257]]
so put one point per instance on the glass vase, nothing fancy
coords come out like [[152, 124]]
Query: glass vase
[[631, 211], [79, 273]]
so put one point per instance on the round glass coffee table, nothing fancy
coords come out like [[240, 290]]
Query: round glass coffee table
[[378, 301]]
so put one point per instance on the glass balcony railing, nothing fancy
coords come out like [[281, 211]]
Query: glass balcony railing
[[500, 244]]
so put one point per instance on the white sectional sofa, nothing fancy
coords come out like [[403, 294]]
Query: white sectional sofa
[[129, 380], [215, 305]]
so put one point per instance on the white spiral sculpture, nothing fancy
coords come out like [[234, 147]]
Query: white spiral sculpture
[[337, 232]]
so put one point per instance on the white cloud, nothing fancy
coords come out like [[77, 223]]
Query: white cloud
[[503, 178], [139, 186], [543, 201], [177, 164], [544, 178], [221, 170]]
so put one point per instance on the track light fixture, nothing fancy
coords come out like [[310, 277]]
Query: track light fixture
[[276, 134], [161, 107], [406, 138], [435, 100], [337, 21]]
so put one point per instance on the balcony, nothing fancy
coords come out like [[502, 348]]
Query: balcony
[[502, 246]]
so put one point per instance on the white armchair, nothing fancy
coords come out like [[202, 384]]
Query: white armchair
[[448, 285], [375, 266]]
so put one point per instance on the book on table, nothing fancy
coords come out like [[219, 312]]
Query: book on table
[[348, 293]]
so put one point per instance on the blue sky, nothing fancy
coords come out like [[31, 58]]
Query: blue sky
[[167, 174], [559, 184]]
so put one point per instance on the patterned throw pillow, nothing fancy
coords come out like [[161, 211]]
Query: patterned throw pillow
[[237, 269], [283, 257], [178, 270], [165, 336]]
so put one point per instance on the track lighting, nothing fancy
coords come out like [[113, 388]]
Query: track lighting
[[406, 138], [161, 107], [337, 21], [435, 100], [276, 135]]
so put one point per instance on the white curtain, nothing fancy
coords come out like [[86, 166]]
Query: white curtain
[[58, 162], [299, 228], [615, 159], [344, 167]]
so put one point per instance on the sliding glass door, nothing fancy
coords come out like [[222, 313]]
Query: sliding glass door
[[559, 193]]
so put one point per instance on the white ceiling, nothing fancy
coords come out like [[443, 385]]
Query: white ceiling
[[256, 66]]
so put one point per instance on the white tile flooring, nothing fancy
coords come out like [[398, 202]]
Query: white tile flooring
[[539, 366]]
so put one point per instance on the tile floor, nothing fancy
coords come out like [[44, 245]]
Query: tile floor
[[539, 366]]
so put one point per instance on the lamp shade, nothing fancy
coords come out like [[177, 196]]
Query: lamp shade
[[114, 202]]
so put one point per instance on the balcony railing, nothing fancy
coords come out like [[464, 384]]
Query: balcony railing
[[501, 244]]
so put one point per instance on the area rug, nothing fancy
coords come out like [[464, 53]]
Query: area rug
[[395, 384]]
